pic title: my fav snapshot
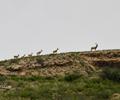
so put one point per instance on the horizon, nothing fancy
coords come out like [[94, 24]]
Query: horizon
[[31, 25], [34, 53]]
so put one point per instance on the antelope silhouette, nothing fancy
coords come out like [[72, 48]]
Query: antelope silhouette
[[23, 56], [17, 56], [95, 47], [55, 51], [30, 55], [38, 53]]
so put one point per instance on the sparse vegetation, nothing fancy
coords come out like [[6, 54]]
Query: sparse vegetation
[[65, 87], [39, 60], [65, 76], [111, 74], [72, 77], [13, 61]]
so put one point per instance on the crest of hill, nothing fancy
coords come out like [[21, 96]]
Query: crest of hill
[[62, 63]]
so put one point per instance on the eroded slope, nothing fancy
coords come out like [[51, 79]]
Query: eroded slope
[[61, 64]]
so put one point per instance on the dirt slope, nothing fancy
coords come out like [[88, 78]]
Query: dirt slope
[[61, 64]]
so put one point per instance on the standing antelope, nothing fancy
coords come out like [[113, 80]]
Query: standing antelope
[[95, 47], [30, 55], [38, 53], [16, 57], [23, 56], [55, 51]]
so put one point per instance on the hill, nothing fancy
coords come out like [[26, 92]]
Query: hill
[[86, 75], [59, 64]]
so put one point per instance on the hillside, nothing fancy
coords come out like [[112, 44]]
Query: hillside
[[59, 64], [62, 76]]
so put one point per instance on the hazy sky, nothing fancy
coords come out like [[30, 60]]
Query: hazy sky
[[72, 25]]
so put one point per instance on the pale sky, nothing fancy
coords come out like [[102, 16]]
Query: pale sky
[[71, 25]]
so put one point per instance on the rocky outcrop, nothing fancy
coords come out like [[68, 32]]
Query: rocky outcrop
[[115, 96]]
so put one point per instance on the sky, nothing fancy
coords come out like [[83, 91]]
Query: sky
[[71, 25]]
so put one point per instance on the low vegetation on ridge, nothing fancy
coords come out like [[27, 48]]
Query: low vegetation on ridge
[[66, 76]]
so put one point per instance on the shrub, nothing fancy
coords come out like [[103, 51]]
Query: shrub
[[2, 63], [111, 74], [39, 60], [2, 78], [15, 61], [72, 77], [31, 78]]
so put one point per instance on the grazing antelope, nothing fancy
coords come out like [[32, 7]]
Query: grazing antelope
[[38, 53], [23, 56], [30, 55], [95, 47], [55, 51], [16, 57]]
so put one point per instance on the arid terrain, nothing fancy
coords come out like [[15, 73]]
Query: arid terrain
[[97, 69], [62, 63]]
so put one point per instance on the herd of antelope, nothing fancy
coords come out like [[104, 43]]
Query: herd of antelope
[[53, 52], [37, 54]]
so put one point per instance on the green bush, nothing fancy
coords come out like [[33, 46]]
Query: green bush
[[72, 77], [70, 87], [103, 94], [111, 74], [3, 63], [39, 60], [13, 61], [2, 78], [31, 78]]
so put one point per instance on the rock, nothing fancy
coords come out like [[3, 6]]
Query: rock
[[15, 68], [115, 96], [83, 73], [5, 87], [3, 71], [22, 73]]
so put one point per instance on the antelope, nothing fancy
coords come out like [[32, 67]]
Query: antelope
[[23, 56], [38, 53], [30, 55], [15, 57], [95, 47], [55, 51]]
